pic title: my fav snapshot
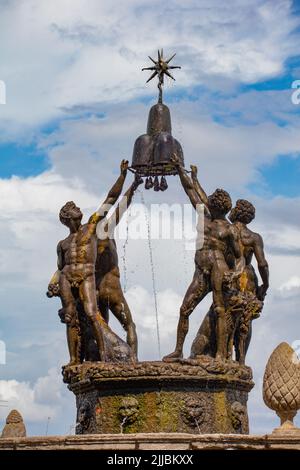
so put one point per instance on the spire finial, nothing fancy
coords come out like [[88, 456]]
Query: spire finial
[[161, 67]]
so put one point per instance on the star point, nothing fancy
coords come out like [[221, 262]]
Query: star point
[[160, 69]]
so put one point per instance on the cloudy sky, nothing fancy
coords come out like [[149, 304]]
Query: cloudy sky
[[76, 100]]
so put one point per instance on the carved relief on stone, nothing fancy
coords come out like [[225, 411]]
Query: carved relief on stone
[[128, 411], [194, 411], [85, 415], [238, 413], [281, 386]]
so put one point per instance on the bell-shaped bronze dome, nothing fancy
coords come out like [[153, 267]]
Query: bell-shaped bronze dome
[[153, 151], [159, 119]]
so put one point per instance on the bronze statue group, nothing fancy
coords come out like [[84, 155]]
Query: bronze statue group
[[88, 278]]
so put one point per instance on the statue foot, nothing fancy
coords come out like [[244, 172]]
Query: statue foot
[[134, 359], [230, 360], [220, 357], [190, 360], [73, 362], [173, 357]]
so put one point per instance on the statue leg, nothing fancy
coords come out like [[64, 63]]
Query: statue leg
[[196, 292], [204, 342], [120, 309], [73, 344], [111, 295], [241, 343], [69, 307], [87, 292], [217, 276], [104, 309], [247, 340]]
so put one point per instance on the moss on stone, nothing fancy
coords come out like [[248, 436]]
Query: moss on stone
[[221, 415]]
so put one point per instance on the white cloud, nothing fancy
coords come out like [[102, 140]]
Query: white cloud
[[142, 304], [290, 288], [46, 193], [80, 53], [29, 214], [292, 283], [35, 403], [73, 55], [227, 156]]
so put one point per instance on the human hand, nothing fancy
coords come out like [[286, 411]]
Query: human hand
[[262, 292], [61, 314], [67, 317], [175, 160], [53, 290], [194, 170], [137, 181], [124, 167]]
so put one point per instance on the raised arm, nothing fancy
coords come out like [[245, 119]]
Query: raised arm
[[125, 202], [111, 198], [186, 183], [262, 265], [116, 190], [200, 191]]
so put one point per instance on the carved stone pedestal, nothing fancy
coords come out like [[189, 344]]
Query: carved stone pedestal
[[150, 397]]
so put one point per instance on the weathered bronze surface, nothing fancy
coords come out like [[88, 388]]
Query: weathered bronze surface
[[153, 151], [160, 69], [205, 393], [244, 301], [78, 278], [223, 267], [108, 284], [210, 261]]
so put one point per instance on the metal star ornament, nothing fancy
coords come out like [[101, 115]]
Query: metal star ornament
[[161, 67]]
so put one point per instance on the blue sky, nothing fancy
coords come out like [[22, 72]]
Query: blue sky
[[279, 177], [77, 100], [21, 161]]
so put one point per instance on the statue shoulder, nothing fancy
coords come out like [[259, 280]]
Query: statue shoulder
[[60, 245], [231, 229], [94, 218], [257, 238], [253, 237]]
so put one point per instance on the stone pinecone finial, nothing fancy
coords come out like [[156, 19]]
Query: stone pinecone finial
[[281, 386], [14, 426]]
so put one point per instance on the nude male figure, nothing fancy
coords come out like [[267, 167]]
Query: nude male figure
[[210, 263], [241, 215], [252, 245], [247, 284], [109, 290], [77, 256]]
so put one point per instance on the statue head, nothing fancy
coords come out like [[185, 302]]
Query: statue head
[[70, 215], [243, 212], [219, 203]]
